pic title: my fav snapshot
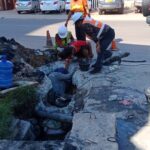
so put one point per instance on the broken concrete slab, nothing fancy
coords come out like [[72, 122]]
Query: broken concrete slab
[[30, 145], [93, 133], [22, 130]]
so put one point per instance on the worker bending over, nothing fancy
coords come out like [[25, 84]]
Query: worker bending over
[[102, 34], [80, 49]]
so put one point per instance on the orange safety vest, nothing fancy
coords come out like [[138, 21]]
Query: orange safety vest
[[95, 23], [77, 6]]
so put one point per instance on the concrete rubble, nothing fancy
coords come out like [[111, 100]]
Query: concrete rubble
[[22, 130], [95, 111], [103, 94]]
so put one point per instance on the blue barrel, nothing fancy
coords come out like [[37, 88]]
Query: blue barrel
[[6, 73]]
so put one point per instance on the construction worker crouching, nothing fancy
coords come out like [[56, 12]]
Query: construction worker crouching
[[80, 49], [78, 6], [101, 34], [63, 38]]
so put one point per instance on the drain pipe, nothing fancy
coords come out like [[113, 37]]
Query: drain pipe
[[49, 113], [55, 116]]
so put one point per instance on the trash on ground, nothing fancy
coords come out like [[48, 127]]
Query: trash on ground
[[126, 102]]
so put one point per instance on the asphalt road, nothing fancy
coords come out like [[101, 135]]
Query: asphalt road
[[132, 32]]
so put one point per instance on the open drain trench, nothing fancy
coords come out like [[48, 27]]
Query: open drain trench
[[33, 114], [47, 120], [80, 122]]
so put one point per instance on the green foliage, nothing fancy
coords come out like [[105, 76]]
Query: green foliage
[[24, 101], [5, 116], [19, 103]]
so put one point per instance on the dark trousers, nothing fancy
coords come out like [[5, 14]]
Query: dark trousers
[[105, 41], [80, 34]]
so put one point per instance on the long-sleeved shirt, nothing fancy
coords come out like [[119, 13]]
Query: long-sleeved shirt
[[62, 43], [92, 31], [78, 44]]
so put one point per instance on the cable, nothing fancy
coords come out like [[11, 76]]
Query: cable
[[134, 61], [136, 64]]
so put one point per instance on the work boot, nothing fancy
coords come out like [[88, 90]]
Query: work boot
[[115, 58], [98, 65], [93, 66], [95, 70], [109, 61], [106, 54]]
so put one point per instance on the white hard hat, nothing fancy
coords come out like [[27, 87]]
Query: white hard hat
[[76, 16], [62, 32]]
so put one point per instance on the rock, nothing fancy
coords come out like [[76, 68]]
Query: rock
[[52, 132], [113, 97], [113, 68], [52, 124], [43, 88], [91, 132], [68, 146], [28, 145], [47, 69], [80, 79], [54, 113], [22, 130]]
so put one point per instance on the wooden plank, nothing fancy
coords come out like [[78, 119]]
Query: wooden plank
[[20, 84]]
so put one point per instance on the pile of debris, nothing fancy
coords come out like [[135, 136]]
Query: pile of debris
[[50, 121], [25, 60]]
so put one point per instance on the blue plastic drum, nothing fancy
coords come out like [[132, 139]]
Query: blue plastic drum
[[6, 73]]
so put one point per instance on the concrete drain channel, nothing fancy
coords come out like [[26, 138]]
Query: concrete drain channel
[[49, 123], [82, 122]]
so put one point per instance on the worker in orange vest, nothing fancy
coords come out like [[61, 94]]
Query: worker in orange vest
[[102, 34], [78, 6]]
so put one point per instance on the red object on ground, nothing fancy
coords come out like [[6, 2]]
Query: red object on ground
[[126, 102], [77, 44]]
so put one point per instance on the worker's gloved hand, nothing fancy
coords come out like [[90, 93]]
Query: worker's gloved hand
[[98, 47], [60, 49], [89, 14], [66, 24]]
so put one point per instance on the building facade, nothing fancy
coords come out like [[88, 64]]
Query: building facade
[[7, 4]]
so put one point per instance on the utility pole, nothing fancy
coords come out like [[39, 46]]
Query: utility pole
[[5, 4]]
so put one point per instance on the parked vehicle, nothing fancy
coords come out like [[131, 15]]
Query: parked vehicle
[[110, 5], [138, 5], [67, 6], [90, 4], [148, 19], [27, 5], [146, 10], [52, 5], [146, 7]]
